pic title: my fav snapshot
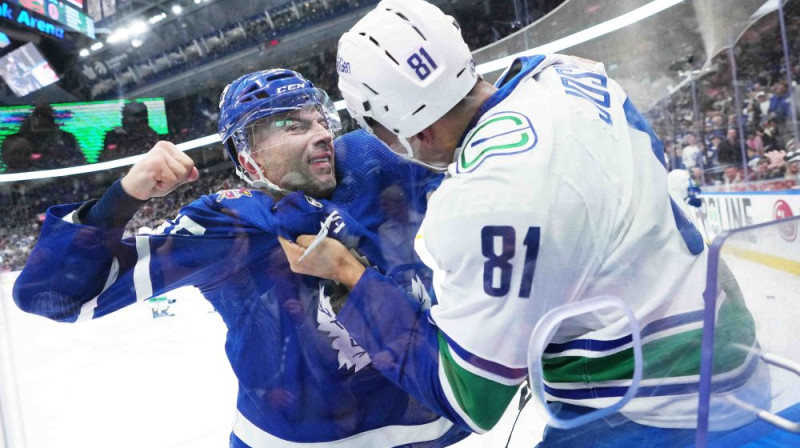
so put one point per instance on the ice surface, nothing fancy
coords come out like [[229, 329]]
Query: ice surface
[[131, 381]]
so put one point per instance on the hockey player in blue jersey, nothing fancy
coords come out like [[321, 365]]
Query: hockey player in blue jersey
[[302, 379]]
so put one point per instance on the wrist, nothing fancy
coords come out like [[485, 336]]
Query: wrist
[[351, 274], [130, 191], [114, 209]]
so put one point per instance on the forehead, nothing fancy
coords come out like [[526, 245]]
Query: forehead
[[268, 125]]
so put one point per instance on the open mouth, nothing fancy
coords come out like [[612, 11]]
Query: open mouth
[[321, 161]]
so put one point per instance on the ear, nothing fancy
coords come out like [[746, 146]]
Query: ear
[[246, 164], [426, 137]]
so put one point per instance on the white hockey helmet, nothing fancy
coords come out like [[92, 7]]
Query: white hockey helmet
[[404, 65]]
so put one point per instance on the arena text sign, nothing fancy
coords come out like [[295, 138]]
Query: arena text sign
[[26, 19]]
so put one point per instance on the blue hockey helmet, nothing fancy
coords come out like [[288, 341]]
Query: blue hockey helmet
[[260, 95]]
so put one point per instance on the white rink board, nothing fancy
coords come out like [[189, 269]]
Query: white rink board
[[126, 380]]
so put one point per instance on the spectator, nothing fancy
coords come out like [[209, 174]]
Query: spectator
[[777, 163], [134, 137], [732, 175], [41, 144], [712, 150], [754, 141], [691, 155], [769, 133], [780, 104], [675, 156], [763, 103], [761, 171], [730, 149], [793, 167], [752, 157]]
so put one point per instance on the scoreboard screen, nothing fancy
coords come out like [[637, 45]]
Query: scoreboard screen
[[25, 70], [88, 122]]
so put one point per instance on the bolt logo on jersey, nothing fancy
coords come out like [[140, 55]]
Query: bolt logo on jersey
[[500, 134]]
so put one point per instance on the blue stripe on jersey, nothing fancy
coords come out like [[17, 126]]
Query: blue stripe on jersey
[[639, 122], [592, 345], [692, 238], [485, 364], [692, 387], [656, 326]]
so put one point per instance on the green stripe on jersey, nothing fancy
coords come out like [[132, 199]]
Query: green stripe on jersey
[[482, 399], [671, 356]]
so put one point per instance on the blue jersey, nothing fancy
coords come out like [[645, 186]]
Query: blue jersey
[[302, 379]]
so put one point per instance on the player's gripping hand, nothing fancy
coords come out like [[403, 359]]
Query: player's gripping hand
[[163, 169], [331, 260]]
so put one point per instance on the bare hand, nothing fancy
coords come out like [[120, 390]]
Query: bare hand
[[163, 169], [330, 260], [776, 158]]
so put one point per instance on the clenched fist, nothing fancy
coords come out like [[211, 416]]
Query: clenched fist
[[163, 169]]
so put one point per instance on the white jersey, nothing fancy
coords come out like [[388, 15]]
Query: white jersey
[[556, 196]]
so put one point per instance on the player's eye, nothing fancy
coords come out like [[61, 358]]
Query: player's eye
[[295, 126]]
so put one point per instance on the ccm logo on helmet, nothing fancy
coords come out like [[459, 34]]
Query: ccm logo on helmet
[[288, 88]]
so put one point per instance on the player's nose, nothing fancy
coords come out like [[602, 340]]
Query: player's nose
[[321, 134]]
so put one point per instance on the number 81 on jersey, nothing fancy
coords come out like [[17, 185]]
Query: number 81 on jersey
[[498, 267]]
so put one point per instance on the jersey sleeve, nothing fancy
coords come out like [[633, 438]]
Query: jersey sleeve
[[77, 272]]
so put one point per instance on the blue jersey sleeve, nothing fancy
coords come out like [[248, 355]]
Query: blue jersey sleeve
[[407, 347], [79, 271]]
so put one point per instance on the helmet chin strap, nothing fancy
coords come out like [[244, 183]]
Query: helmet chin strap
[[262, 182]]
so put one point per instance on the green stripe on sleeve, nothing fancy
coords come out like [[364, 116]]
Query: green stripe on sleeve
[[482, 399]]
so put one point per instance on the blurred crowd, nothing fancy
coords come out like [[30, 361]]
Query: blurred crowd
[[260, 29], [749, 146], [23, 205], [704, 136]]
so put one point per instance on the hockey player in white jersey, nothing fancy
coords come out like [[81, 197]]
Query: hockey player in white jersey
[[555, 193]]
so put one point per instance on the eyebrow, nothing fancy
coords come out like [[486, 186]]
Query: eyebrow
[[281, 123]]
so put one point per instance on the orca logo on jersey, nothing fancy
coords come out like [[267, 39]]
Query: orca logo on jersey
[[500, 134]]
